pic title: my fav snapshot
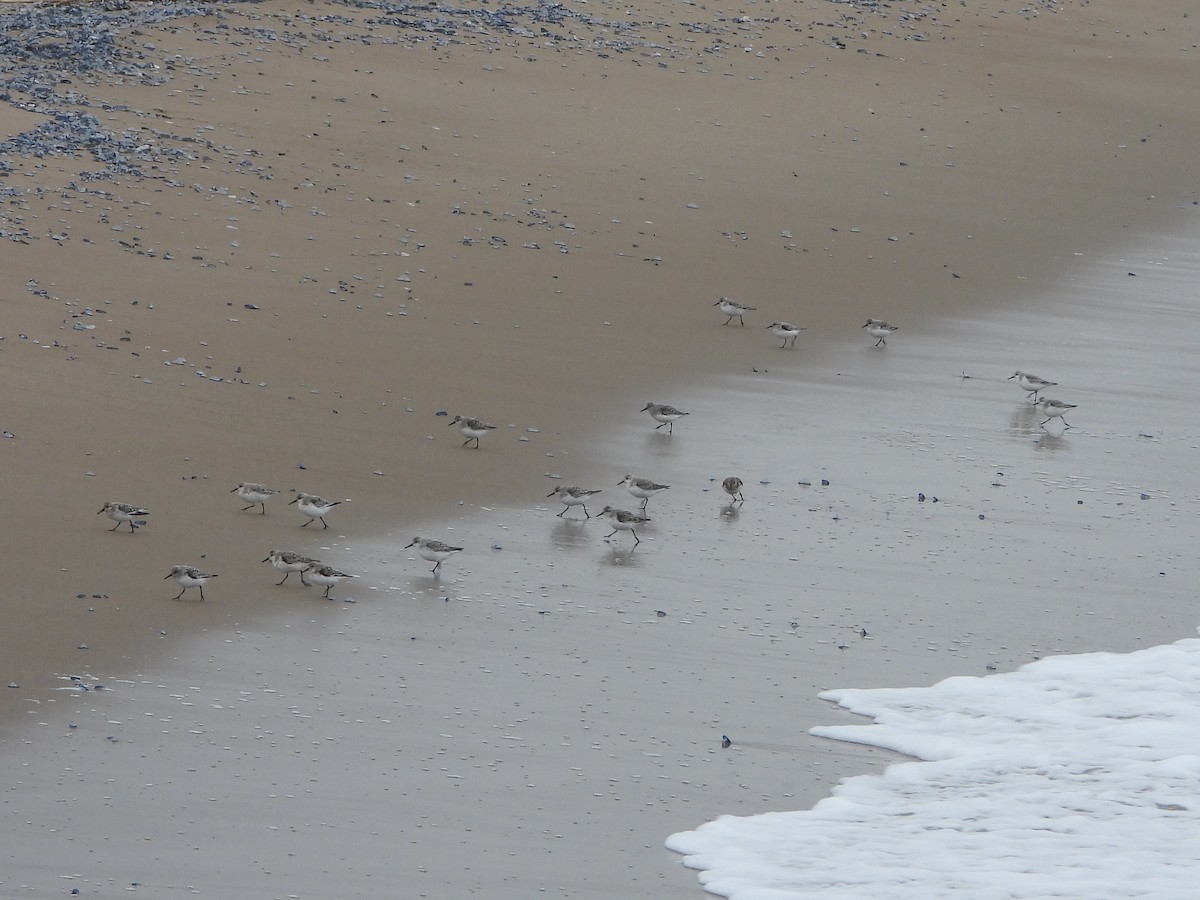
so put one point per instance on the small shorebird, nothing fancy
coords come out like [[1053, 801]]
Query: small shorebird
[[1031, 383], [327, 576], [434, 551], [573, 496], [734, 310], [254, 494], [287, 562], [877, 328], [786, 332], [733, 487], [472, 429], [122, 512], [663, 414], [1054, 409], [313, 507], [188, 577], [642, 487], [623, 520]]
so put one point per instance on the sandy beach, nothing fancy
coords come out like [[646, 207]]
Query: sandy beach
[[368, 229]]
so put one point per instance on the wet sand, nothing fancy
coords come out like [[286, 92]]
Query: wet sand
[[380, 228]]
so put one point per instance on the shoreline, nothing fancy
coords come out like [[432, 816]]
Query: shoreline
[[385, 257]]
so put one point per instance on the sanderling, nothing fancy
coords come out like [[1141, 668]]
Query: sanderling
[[327, 576], [573, 496], [313, 507], [1054, 409], [877, 328], [122, 512], [664, 414], [472, 429], [188, 577], [623, 520], [1031, 383], [733, 487], [642, 487], [786, 332], [434, 551], [287, 562], [734, 310], [254, 494]]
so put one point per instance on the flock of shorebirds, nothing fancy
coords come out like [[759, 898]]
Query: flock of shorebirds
[[316, 508]]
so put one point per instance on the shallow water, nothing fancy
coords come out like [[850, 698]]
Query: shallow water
[[553, 692]]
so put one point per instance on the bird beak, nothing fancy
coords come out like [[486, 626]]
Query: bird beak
[[266, 559], [168, 575], [100, 510], [234, 491], [552, 493], [290, 502]]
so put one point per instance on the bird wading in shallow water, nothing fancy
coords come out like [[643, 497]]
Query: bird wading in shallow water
[[573, 496], [1054, 409], [643, 488], [733, 487], [434, 551], [877, 328], [664, 415], [623, 520], [1031, 383]]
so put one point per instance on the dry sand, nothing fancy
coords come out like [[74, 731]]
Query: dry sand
[[522, 724]]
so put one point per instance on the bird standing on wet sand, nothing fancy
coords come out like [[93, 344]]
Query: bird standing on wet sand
[[573, 496], [313, 507], [287, 562], [733, 487], [188, 577], [122, 512], [664, 414], [472, 429], [254, 494], [623, 520], [734, 310], [434, 551], [642, 487], [877, 328], [785, 331], [1031, 383], [1054, 409], [325, 575]]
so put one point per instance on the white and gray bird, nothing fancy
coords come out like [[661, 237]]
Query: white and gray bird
[[287, 562], [1031, 383], [573, 496], [624, 520], [314, 507], [1054, 409], [473, 429], [733, 487], [664, 415], [434, 551], [877, 328], [786, 331], [188, 577], [326, 576], [643, 488], [122, 513], [254, 494], [734, 310]]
